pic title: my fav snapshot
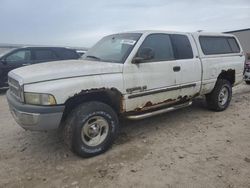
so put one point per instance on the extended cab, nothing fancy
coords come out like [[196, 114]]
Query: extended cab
[[134, 75]]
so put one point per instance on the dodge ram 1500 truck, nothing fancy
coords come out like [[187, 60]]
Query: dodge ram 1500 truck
[[133, 75]]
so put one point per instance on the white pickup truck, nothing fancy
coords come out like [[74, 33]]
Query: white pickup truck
[[133, 75]]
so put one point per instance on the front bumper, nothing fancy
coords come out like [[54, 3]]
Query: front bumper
[[32, 117]]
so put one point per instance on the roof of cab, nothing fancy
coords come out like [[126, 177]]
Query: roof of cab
[[179, 32], [42, 47]]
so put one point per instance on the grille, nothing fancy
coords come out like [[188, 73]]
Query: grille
[[15, 88]]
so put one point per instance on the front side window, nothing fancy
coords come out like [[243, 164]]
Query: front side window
[[160, 45], [42, 55], [21, 55], [113, 48]]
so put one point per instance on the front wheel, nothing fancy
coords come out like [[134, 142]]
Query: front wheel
[[90, 129], [219, 99]]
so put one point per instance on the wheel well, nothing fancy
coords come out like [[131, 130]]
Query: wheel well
[[111, 97], [228, 75]]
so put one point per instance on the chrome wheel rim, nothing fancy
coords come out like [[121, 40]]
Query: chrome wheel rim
[[223, 96], [95, 131]]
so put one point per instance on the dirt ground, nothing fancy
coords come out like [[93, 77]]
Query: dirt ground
[[191, 147]]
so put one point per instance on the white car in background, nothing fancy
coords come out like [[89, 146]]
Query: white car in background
[[81, 52]]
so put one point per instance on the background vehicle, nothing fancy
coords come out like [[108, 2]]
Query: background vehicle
[[247, 70], [134, 75], [31, 55], [81, 52]]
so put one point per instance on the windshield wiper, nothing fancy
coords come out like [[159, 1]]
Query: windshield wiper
[[94, 57]]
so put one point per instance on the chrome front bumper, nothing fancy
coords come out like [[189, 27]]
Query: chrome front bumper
[[31, 117]]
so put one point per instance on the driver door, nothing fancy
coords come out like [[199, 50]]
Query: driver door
[[152, 81]]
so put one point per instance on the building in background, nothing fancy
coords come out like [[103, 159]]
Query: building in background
[[244, 37]]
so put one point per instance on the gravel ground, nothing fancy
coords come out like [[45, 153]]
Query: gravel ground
[[191, 147]]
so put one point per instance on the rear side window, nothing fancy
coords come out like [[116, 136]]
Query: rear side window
[[182, 47], [161, 45], [218, 45], [45, 55], [67, 54]]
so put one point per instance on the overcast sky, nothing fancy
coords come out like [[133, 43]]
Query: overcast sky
[[82, 22]]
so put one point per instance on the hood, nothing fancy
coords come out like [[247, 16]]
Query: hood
[[63, 69]]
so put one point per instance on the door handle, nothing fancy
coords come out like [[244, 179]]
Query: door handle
[[25, 64], [176, 68]]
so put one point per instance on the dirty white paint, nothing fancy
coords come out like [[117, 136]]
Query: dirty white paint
[[65, 69], [214, 64], [64, 79], [63, 89]]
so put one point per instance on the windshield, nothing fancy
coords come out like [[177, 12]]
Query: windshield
[[4, 51], [113, 48]]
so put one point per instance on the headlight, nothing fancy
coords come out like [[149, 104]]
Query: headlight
[[39, 99]]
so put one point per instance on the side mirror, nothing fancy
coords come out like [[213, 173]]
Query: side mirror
[[137, 60], [144, 54]]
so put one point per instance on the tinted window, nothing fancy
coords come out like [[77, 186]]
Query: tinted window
[[67, 54], [45, 55], [21, 55], [218, 45], [234, 45], [161, 45], [182, 47]]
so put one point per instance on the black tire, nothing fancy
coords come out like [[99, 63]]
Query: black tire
[[212, 98], [247, 82], [79, 117]]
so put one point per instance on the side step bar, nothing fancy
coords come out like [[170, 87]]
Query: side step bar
[[157, 112]]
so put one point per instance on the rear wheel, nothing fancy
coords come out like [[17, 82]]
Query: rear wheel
[[219, 99], [90, 129]]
